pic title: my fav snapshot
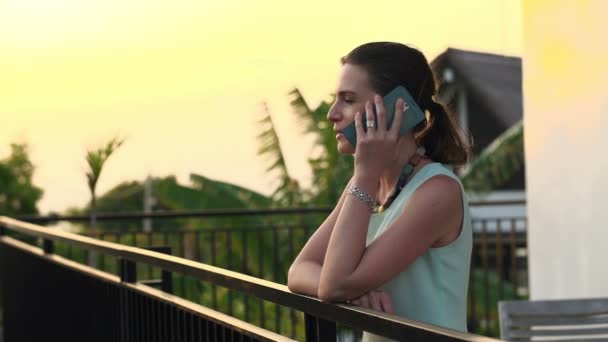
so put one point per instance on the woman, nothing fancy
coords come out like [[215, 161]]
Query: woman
[[410, 256]]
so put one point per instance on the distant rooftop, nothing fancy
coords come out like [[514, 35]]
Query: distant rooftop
[[485, 91], [494, 79]]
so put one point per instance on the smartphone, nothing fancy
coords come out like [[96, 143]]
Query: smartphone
[[412, 116]]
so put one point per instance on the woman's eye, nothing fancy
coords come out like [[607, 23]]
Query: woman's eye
[[349, 101]]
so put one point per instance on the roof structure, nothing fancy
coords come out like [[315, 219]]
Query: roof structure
[[495, 80], [491, 87]]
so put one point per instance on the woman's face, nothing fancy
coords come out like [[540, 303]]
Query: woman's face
[[352, 92]]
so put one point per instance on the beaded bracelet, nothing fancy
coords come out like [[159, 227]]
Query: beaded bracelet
[[362, 196]]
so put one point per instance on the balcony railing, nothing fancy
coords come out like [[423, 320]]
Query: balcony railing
[[230, 239], [46, 296]]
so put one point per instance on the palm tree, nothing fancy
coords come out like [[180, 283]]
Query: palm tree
[[288, 192], [96, 159], [330, 170]]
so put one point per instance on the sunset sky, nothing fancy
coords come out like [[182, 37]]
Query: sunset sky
[[183, 80]]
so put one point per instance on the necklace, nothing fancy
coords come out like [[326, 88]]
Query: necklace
[[407, 170]]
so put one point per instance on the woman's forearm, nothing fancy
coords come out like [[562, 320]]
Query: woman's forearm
[[347, 243], [303, 278]]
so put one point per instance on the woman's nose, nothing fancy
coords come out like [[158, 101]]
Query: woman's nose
[[333, 115]]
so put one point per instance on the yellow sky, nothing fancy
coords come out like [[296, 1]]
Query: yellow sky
[[183, 80]]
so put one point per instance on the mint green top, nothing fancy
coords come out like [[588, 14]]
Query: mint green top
[[433, 289]]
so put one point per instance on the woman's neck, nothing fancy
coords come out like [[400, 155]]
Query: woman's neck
[[390, 176]]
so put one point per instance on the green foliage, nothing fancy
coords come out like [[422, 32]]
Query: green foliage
[[220, 195], [169, 195], [18, 196], [497, 163], [483, 307]]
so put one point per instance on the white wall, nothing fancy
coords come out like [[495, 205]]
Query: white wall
[[565, 69]]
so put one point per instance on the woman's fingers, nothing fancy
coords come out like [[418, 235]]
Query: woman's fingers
[[369, 115], [387, 303], [375, 300], [364, 300], [380, 113], [359, 127]]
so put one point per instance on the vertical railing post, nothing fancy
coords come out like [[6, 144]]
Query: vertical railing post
[[318, 329], [230, 267], [310, 326], [327, 330], [486, 281], [499, 261], [275, 275], [128, 272], [48, 246], [166, 283]]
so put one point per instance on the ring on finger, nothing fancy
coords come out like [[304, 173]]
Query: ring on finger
[[370, 123]]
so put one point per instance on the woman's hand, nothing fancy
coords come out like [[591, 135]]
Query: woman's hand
[[376, 300], [376, 148]]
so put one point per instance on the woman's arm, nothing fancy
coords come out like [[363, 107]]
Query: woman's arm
[[305, 271], [303, 277], [350, 269]]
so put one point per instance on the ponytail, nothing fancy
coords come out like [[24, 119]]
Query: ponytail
[[442, 137]]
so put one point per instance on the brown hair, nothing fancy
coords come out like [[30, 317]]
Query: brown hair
[[389, 65]]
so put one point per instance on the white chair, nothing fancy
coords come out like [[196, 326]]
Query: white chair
[[554, 320]]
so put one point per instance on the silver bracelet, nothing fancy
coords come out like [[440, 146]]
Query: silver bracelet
[[362, 196]]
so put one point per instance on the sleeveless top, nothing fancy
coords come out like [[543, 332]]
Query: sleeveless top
[[433, 289]]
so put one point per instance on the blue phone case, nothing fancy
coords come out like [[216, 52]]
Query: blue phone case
[[412, 117]]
